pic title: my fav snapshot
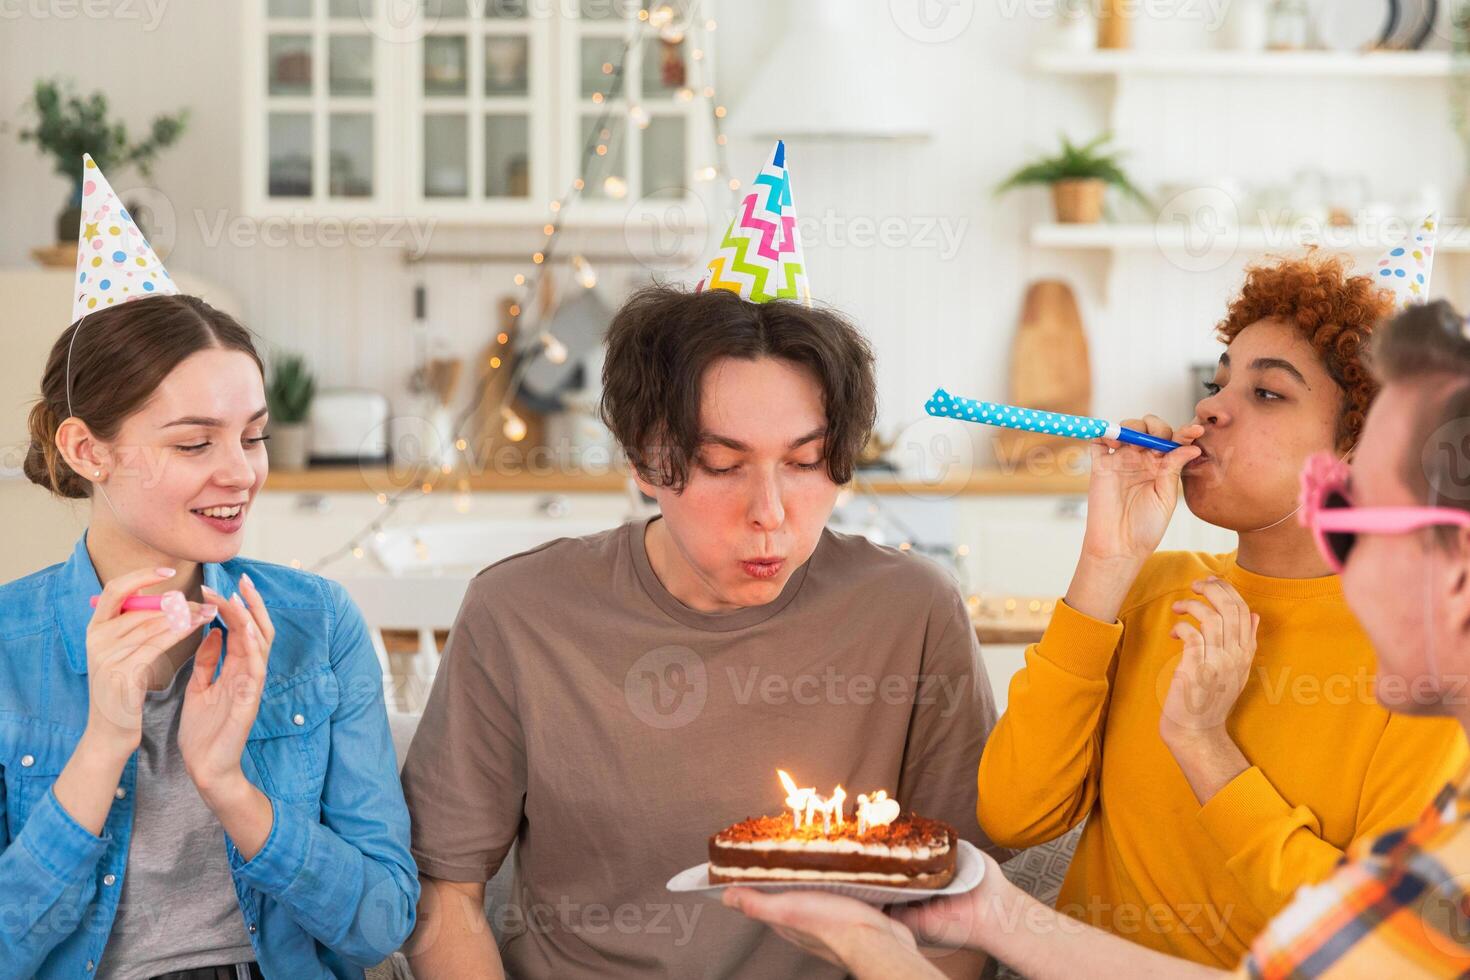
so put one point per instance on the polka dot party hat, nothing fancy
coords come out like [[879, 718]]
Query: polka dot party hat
[[1405, 269], [115, 263], [760, 257]]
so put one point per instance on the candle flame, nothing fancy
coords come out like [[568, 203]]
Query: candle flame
[[806, 803], [875, 811], [798, 799]]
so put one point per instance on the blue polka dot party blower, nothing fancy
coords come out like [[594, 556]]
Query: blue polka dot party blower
[[944, 405]]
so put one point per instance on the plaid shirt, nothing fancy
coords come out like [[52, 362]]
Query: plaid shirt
[[1398, 905]]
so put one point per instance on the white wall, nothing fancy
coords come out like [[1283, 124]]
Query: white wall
[[933, 319]]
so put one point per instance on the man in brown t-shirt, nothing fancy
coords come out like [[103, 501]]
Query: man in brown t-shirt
[[609, 702]]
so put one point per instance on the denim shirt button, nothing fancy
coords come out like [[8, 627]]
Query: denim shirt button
[[298, 720], [252, 928], [120, 793], [109, 880], [91, 966], [28, 760]]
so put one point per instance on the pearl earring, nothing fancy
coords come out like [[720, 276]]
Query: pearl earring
[[97, 474]]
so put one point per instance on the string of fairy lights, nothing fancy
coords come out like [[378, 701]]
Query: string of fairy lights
[[669, 26]]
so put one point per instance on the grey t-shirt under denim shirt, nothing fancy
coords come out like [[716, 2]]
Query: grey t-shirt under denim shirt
[[178, 909]]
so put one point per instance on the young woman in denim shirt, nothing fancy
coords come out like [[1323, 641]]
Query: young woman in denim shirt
[[207, 789]]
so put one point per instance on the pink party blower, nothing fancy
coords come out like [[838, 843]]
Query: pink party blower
[[173, 605]]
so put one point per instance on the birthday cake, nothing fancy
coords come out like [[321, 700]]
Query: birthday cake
[[881, 846]]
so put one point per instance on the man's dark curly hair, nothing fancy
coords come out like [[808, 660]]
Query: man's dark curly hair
[[662, 341]]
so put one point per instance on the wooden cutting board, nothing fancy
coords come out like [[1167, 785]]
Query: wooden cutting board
[[1049, 369], [488, 423]]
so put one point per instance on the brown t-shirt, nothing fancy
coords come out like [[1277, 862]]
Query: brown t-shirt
[[586, 713]]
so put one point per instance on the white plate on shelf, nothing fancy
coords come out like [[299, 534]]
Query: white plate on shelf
[[1350, 25], [969, 870], [1416, 24]]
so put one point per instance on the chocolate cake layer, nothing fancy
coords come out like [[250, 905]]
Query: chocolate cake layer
[[936, 861], [912, 851]]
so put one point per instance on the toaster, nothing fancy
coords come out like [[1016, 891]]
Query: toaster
[[349, 426]]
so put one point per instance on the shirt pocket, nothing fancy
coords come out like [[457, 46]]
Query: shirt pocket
[[291, 740], [31, 767]]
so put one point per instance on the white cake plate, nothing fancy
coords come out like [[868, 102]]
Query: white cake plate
[[969, 869]]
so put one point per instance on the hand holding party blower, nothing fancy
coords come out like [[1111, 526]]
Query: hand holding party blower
[[944, 405], [175, 608]]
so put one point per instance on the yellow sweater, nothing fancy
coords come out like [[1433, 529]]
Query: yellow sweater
[[1080, 740]]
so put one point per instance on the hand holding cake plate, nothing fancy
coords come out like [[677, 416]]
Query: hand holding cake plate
[[883, 857]]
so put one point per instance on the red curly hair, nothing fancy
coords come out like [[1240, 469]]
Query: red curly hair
[[1335, 311]]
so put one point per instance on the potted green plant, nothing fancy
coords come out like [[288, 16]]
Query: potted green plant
[[1079, 177], [288, 395], [68, 125]]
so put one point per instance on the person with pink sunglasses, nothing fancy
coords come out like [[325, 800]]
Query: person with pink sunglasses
[[1396, 527]]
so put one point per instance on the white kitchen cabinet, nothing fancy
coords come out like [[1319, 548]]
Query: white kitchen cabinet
[[320, 94], [305, 527], [478, 111], [469, 111]]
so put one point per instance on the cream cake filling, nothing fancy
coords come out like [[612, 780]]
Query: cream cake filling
[[791, 874], [839, 846]]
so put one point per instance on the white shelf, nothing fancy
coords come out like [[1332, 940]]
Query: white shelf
[[1377, 64], [1123, 237]]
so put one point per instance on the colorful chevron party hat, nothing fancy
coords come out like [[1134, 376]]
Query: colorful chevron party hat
[[115, 263], [760, 256], [1405, 269]]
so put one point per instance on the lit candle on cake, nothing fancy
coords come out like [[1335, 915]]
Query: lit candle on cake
[[796, 799], [805, 803], [834, 806], [875, 811]]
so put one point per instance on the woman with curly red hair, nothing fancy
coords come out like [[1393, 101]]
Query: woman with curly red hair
[[1212, 718]]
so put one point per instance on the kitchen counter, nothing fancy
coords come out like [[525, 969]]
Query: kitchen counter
[[989, 634], [550, 480]]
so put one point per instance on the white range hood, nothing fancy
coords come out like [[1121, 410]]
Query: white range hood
[[839, 70]]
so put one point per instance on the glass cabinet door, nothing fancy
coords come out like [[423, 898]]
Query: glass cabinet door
[[481, 89], [323, 79], [288, 64], [350, 170], [289, 162], [446, 155], [665, 165], [507, 161], [632, 105]]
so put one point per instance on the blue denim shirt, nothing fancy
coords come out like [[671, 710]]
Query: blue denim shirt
[[332, 891]]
